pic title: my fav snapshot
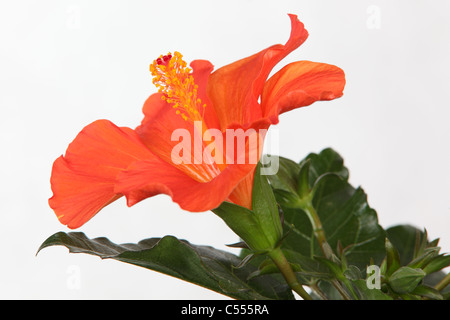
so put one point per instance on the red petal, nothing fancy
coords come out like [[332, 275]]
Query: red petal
[[234, 89], [145, 179], [242, 194], [156, 132], [201, 70], [182, 181], [300, 84], [83, 180]]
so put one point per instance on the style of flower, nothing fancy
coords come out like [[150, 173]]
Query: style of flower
[[106, 162]]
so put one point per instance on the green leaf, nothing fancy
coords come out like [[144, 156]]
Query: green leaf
[[427, 292], [344, 211], [412, 242], [405, 279], [326, 161], [438, 263], [265, 208], [392, 258], [303, 188], [260, 228], [428, 255], [333, 267], [286, 177], [353, 273], [202, 265], [405, 238], [245, 224], [369, 294], [309, 268]]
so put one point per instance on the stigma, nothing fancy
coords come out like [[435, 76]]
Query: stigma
[[174, 79]]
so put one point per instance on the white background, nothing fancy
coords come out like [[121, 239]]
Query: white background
[[64, 64]]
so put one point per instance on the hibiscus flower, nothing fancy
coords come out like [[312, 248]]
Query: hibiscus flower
[[106, 162]]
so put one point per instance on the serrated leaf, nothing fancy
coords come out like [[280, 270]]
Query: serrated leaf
[[202, 265]]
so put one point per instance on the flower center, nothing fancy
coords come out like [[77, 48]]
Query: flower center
[[173, 78]]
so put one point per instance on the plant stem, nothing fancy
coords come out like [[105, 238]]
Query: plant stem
[[319, 233], [341, 290], [443, 283], [352, 291], [283, 265], [318, 291], [317, 227]]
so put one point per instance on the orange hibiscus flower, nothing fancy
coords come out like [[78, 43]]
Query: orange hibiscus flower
[[106, 162]]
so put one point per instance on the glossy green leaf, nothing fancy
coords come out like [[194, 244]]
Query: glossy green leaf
[[202, 265], [344, 211]]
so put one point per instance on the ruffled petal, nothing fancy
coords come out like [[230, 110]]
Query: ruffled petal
[[234, 89], [83, 179], [300, 84]]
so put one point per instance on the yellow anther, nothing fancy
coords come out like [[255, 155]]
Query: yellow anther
[[173, 78]]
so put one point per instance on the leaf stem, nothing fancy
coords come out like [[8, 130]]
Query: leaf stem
[[283, 265], [443, 283]]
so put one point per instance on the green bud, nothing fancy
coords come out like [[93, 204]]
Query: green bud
[[406, 279]]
